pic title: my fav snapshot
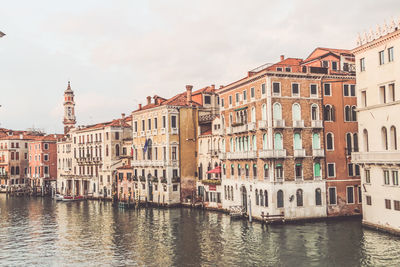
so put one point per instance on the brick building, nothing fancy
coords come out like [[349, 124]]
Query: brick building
[[340, 128]]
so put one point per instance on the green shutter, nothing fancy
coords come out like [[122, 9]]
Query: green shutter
[[317, 170], [266, 166]]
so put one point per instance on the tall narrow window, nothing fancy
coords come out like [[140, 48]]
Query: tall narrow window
[[384, 138], [280, 199], [317, 170], [265, 144], [346, 90], [365, 140], [364, 98], [253, 114], [316, 142], [350, 195], [393, 138], [295, 89], [327, 89], [313, 90], [266, 172], [314, 112], [392, 96], [349, 148], [318, 197], [173, 122], [381, 57], [252, 92], [276, 89], [296, 112], [382, 94], [347, 113], [264, 112], [297, 141], [263, 88], [277, 111], [278, 145], [299, 198], [362, 64], [355, 142], [390, 54], [332, 195], [353, 113], [329, 141]]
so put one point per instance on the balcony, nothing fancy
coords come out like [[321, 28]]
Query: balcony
[[139, 163], [242, 155], [299, 153], [239, 128], [154, 131], [142, 133], [318, 153], [174, 131], [148, 132], [162, 130], [316, 124], [271, 153], [251, 126], [279, 123], [222, 155], [378, 157], [262, 125], [278, 180], [298, 124]]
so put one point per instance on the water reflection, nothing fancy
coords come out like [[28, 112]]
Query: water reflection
[[43, 232]]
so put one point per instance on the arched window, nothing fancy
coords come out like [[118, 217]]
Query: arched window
[[297, 141], [230, 119], [261, 198], [266, 198], [264, 112], [254, 143], [314, 112], [279, 196], [347, 113], [316, 142], [201, 171], [349, 147], [353, 113], [117, 150], [318, 198], [329, 141], [265, 145], [253, 114], [231, 144], [296, 112], [317, 170], [245, 143], [236, 144], [266, 172], [329, 113], [277, 111], [241, 143], [299, 197], [257, 197], [248, 138], [238, 169], [232, 170], [365, 140], [278, 141], [384, 138], [393, 138], [209, 169], [223, 145], [247, 171], [254, 171], [355, 142]]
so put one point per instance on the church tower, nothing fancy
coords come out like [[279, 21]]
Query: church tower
[[69, 109]]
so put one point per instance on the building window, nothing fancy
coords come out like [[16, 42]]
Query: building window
[[173, 122], [367, 176], [313, 90], [149, 124], [279, 173], [395, 177], [362, 64], [237, 98], [222, 102], [381, 57], [384, 138], [263, 88], [279, 69], [350, 169], [230, 100], [318, 197], [390, 54], [280, 202], [396, 205], [325, 64], [392, 96], [207, 99], [276, 89], [331, 169], [299, 198], [388, 204], [135, 127], [164, 122], [334, 65], [327, 89], [369, 200], [386, 179], [329, 113], [364, 98], [266, 172], [252, 92], [173, 156], [382, 94], [295, 89], [155, 123], [245, 95], [329, 141], [350, 194], [288, 69], [298, 171], [332, 195]]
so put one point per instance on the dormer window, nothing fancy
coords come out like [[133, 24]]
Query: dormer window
[[288, 69], [325, 64], [334, 65], [278, 69]]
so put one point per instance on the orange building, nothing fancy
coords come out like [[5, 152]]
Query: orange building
[[340, 129]]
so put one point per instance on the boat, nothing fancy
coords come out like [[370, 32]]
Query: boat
[[71, 198], [58, 197]]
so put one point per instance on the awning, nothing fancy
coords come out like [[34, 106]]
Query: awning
[[237, 109], [215, 170]]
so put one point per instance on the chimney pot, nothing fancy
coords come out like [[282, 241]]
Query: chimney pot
[[123, 115], [189, 94], [148, 100], [140, 106], [282, 57]]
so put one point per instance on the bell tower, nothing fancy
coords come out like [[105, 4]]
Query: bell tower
[[69, 109]]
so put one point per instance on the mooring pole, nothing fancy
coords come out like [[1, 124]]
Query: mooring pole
[[250, 218]]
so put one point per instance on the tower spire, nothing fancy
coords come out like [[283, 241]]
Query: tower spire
[[69, 109]]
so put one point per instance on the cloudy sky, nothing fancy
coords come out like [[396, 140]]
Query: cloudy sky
[[115, 53]]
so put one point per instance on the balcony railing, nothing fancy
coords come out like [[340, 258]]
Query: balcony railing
[[242, 155], [318, 153], [389, 157], [279, 123], [241, 128], [299, 153], [251, 126], [222, 155], [298, 124], [262, 125], [278, 180], [272, 153], [162, 130], [316, 124], [174, 131]]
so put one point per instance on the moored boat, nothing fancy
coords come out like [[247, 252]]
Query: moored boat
[[71, 198]]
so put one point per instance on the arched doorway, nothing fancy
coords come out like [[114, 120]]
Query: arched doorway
[[244, 198]]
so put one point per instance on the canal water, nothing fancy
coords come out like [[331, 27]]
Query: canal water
[[35, 231]]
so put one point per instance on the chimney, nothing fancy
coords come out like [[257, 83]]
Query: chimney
[[221, 86], [123, 115], [140, 106], [148, 100], [282, 57], [189, 94], [213, 86]]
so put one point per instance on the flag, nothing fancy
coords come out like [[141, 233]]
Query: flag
[[145, 146]]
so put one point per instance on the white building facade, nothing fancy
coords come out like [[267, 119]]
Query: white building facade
[[378, 105]]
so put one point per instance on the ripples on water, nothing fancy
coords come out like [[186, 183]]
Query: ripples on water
[[42, 232]]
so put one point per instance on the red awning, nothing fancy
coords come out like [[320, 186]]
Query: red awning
[[216, 170]]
